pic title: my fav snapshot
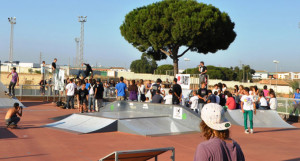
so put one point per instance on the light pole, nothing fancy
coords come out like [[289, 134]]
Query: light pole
[[276, 62], [82, 20], [77, 63], [187, 60], [12, 21]]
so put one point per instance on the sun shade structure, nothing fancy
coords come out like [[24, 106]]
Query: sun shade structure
[[138, 155], [5, 100]]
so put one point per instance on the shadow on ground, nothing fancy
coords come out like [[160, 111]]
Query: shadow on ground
[[6, 134]]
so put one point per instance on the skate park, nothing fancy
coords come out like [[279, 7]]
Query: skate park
[[153, 80]]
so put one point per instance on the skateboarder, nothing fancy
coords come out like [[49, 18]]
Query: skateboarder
[[14, 81], [11, 117], [87, 71]]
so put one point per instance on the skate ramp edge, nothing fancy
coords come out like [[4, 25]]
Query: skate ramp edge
[[5, 100], [83, 124], [263, 118]]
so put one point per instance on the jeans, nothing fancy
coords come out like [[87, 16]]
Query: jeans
[[296, 106], [91, 100], [70, 99], [13, 120], [98, 104], [201, 79], [200, 106], [82, 73], [246, 113], [105, 92], [11, 88], [139, 98]]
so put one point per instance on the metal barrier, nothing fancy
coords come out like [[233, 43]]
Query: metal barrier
[[36, 90], [287, 105]]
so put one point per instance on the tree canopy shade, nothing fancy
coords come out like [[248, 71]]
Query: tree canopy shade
[[161, 28], [144, 65], [163, 68]]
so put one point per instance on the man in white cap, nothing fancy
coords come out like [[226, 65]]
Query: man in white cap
[[215, 128]]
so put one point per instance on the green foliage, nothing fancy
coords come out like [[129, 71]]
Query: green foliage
[[37, 72], [294, 84], [170, 24], [225, 73], [30, 70], [163, 68], [144, 65]]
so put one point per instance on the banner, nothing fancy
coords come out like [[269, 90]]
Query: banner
[[184, 80]]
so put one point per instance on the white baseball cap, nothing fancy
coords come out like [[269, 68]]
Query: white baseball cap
[[214, 117]]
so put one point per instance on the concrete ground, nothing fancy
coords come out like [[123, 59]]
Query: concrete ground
[[32, 142]]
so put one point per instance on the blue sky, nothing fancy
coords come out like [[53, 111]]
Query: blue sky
[[266, 30]]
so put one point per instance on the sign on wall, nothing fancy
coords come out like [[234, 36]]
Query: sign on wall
[[184, 80]]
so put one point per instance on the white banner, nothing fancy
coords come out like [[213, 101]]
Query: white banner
[[177, 113], [184, 80]]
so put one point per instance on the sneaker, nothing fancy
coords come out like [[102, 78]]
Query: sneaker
[[251, 131], [247, 131]]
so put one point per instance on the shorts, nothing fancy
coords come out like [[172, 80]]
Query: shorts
[[83, 101]]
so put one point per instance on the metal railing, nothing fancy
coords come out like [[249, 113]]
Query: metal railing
[[287, 106], [36, 91]]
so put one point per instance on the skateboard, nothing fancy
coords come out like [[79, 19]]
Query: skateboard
[[12, 126], [6, 93]]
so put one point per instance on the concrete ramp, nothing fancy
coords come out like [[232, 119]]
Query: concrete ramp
[[263, 118], [147, 119], [6, 101], [153, 126], [83, 124]]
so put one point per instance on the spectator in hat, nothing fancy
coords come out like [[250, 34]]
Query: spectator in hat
[[215, 129]]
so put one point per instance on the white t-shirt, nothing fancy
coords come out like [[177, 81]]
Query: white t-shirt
[[194, 101], [248, 102], [168, 99], [273, 103], [91, 92], [213, 91], [71, 89], [141, 89], [217, 99], [263, 101]]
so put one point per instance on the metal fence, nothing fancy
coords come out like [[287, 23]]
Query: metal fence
[[287, 106], [36, 90]]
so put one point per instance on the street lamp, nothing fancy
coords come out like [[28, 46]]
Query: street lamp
[[82, 20], [12, 21], [276, 62], [187, 60]]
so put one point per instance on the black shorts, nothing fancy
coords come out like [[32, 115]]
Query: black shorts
[[83, 101]]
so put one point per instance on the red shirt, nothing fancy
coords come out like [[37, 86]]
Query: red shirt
[[230, 103]]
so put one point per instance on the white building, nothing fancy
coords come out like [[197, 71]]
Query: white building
[[117, 69], [260, 75], [284, 75]]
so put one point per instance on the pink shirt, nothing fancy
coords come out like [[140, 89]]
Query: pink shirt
[[266, 92], [230, 103]]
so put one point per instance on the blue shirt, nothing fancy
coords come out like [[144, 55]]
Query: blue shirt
[[297, 96], [87, 85], [121, 89]]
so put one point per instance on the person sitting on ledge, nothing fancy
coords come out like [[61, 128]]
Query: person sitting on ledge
[[11, 117]]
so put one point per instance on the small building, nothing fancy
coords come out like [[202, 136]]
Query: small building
[[260, 75], [117, 69]]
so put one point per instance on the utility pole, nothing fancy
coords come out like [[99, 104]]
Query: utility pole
[[12, 21], [82, 20], [243, 73], [40, 57]]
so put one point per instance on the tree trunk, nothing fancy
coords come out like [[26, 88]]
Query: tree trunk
[[175, 64]]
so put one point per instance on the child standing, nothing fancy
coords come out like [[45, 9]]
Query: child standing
[[248, 106], [194, 102], [263, 104]]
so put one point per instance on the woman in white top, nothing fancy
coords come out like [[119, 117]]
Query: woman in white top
[[273, 101], [263, 104], [141, 91]]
